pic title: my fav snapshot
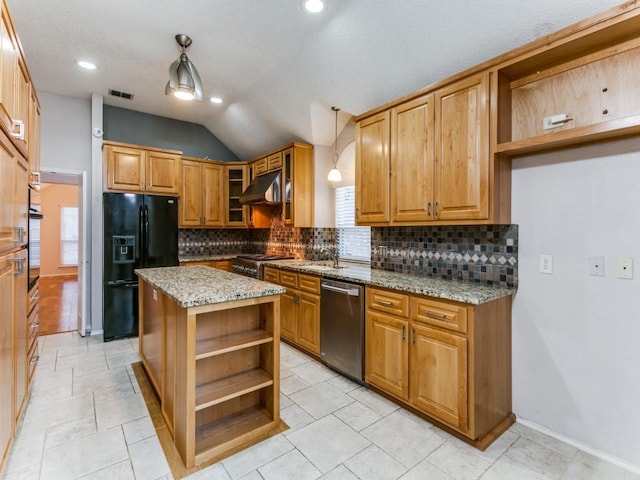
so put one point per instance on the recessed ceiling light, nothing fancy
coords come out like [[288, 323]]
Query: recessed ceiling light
[[86, 65], [313, 6], [215, 100]]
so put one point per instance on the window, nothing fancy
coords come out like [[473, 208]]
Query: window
[[353, 243], [68, 236]]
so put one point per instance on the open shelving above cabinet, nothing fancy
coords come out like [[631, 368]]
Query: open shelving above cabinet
[[587, 72]]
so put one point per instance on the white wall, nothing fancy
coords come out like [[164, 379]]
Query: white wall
[[576, 338]]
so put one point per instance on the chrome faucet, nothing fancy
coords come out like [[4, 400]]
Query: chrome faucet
[[333, 254]]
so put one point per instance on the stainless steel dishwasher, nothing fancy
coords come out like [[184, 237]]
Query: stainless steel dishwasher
[[342, 327]]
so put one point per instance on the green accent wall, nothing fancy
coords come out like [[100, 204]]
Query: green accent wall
[[192, 139]]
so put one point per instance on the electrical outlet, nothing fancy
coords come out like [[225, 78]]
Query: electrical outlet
[[596, 266], [625, 268], [546, 264]]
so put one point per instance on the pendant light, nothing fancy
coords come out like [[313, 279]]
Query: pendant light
[[184, 80], [334, 173]]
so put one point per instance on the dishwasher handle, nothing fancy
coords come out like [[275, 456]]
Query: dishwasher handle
[[352, 292]]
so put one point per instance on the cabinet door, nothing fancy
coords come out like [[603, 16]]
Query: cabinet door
[[236, 214], [22, 100], [288, 321], [162, 172], [21, 201], [387, 354], [20, 331], [125, 168], [213, 176], [6, 354], [7, 194], [412, 153], [372, 170], [34, 133], [309, 321], [462, 150], [8, 64], [439, 375], [191, 201]]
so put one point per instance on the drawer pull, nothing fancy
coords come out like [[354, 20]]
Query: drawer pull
[[35, 359], [413, 336], [429, 313], [36, 324], [402, 332], [385, 303]]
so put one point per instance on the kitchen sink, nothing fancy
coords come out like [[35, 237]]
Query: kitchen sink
[[323, 268]]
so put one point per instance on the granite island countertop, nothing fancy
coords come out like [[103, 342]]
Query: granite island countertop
[[202, 285], [465, 292]]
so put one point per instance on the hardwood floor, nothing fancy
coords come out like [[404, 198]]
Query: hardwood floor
[[58, 304]]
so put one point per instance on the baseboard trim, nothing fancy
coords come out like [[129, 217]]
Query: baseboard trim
[[580, 446]]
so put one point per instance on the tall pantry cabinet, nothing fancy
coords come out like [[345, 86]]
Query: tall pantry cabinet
[[19, 157]]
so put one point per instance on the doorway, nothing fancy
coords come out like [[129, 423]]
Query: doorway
[[62, 253]]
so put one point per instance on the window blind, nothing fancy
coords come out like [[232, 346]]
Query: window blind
[[353, 243]]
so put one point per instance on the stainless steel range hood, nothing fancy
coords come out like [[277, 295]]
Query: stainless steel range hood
[[265, 189]]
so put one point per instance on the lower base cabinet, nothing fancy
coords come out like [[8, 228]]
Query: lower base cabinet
[[300, 307], [447, 360]]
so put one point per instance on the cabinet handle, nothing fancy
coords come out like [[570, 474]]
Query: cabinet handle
[[385, 303], [20, 263], [428, 209], [36, 324], [429, 313], [35, 359], [20, 133], [435, 209], [402, 332], [19, 234], [413, 336]]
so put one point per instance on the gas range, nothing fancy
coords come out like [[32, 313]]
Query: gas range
[[250, 265]]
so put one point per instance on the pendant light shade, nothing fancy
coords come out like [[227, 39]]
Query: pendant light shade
[[334, 173], [184, 80]]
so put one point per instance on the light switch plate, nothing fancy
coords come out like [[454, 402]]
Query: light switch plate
[[625, 268]]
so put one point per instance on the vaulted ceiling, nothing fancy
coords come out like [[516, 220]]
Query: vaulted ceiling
[[278, 68]]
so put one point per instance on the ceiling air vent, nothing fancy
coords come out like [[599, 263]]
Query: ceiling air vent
[[117, 93]]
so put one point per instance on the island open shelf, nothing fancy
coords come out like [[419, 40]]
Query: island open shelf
[[215, 366]]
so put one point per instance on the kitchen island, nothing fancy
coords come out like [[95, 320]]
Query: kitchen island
[[209, 342]]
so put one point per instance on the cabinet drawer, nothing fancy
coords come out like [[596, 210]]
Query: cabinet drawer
[[222, 265], [274, 161], [309, 283], [34, 296], [288, 279], [439, 314], [271, 275], [32, 359], [389, 302], [260, 166], [33, 324]]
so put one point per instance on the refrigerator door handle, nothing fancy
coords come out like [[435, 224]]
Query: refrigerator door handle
[[141, 235], [146, 235]]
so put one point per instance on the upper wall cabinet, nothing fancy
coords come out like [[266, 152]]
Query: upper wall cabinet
[[296, 163], [201, 202], [437, 169], [132, 168], [15, 93], [576, 86]]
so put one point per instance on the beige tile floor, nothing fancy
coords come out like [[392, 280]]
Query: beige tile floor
[[87, 420]]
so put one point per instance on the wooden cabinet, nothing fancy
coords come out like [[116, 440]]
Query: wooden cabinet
[[216, 370], [13, 197], [33, 326], [20, 333], [133, 168], [462, 150], [448, 360], [235, 181], [300, 307], [296, 162], [34, 132], [201, 202], [372, 170], [412, 161], [436, 169], [219, 264], [7, 420]]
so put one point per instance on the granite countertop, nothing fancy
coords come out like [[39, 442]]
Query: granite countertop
[[464, 292], [202, 285], [206, 258]]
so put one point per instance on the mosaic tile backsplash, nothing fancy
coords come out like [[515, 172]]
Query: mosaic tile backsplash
[[485, 254]]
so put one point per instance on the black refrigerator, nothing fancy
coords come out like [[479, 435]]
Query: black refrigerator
[[140, 231]]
